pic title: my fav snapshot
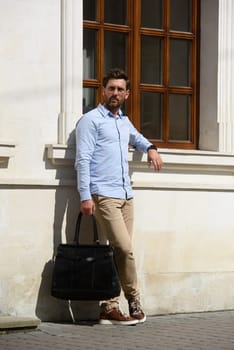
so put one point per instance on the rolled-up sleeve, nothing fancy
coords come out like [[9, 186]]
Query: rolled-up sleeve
[[138, 140]]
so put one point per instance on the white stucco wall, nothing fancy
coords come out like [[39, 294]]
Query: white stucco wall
[[183, 248], [183, 216], [34, 201], [30, 83]]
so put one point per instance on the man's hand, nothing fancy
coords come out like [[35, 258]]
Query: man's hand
[[155, 159], [87, 207]]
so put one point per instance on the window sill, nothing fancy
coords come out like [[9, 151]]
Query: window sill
[[61, 154], [184, 170], [188, 161], [6, 151], [173, 160]]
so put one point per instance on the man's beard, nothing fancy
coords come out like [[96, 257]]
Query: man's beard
[[113, 103]]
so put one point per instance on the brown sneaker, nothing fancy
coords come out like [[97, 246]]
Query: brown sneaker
[[116, 317], [135, 310]]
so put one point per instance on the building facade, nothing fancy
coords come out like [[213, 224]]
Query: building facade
[[184, 228]]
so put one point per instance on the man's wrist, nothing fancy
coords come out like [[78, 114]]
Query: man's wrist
[[152, 147]]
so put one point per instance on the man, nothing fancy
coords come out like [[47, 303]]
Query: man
[[103, 136]]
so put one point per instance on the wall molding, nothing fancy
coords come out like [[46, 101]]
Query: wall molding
[[182, 169], [59, 154], [6, 151]]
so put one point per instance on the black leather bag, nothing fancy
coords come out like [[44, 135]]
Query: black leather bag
[[84, 271]]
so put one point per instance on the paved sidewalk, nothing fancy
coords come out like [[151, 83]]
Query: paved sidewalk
[[213, 331]]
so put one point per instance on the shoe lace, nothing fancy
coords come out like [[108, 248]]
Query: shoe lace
[[122, 313], [135, 306]]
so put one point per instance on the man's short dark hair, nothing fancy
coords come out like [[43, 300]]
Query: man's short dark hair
[[116, 73]]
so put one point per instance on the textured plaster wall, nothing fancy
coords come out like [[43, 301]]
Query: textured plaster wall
[[183, 242], [184, 247], [30, 83]]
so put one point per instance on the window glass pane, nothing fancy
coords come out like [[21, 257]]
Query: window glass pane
[[151, 13], [89, 99], [115, 11], [115, 51], [179, 117], [181, 15], [151, 115], [179, 63], [89, 54], [151, 60], [89, 10]]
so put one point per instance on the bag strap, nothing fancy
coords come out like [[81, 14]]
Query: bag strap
[[77, 231]]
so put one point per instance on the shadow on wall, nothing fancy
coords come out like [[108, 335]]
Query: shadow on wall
[[66, 211]]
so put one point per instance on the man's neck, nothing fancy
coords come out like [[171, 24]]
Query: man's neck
[[114, 111]]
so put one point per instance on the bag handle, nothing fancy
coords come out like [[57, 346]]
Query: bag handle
[[77, 231]]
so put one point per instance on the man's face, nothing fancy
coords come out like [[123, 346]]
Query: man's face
[[114, 94]]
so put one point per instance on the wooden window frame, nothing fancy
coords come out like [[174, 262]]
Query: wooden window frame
[[134, 31]]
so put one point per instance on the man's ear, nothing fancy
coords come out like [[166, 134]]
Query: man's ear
[[127, 94]]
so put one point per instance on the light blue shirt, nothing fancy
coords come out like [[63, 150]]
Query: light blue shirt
[[102, 142]]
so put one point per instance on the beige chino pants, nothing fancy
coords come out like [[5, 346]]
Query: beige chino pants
[[115, 222]]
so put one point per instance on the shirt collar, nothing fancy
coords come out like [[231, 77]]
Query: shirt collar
[[106, 113]]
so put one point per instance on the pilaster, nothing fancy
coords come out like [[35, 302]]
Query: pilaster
[[71, 69], [226, 76]]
